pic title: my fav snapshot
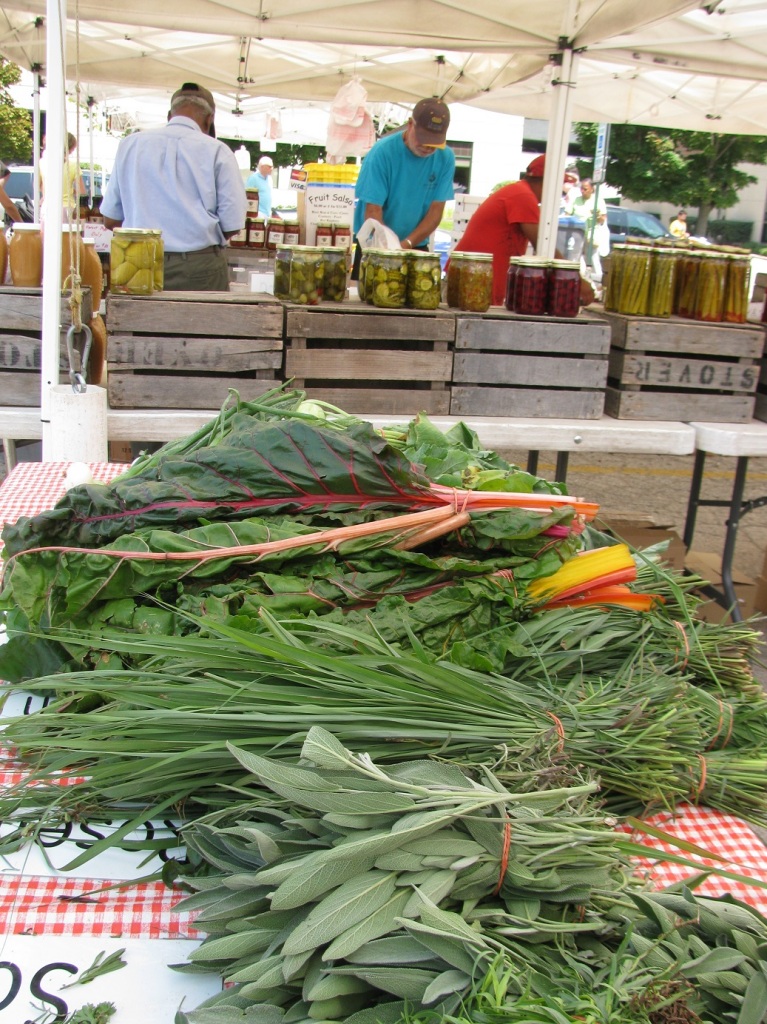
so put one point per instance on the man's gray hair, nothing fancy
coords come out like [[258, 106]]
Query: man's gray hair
[[188, 99]]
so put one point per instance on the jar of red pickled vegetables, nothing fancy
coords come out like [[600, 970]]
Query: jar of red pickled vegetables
[[531, 286], [563, 297]]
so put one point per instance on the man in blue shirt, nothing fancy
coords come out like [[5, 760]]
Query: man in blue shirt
[[261, 179], [407, 177], [182, 180]]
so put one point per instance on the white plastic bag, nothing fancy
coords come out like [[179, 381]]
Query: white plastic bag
[[375, 235], [345, 140], [348, 106]]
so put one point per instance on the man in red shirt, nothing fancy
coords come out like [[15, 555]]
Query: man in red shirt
[[504, 224]]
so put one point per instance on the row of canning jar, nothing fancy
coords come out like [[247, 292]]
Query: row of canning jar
[[707, 285], [400, 278], [534, 287], [23, 256], [308, 274]]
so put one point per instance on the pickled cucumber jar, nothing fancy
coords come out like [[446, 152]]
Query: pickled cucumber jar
[[132, 261], [709, 288], [305, 274], [563, 297], [424, 280], [475, 288], [660, 301], [635, 281], [531, 286], [282, 258], [159, 260], [736, 289], [25, 256], [386, 278], [333, 274], [454, 278]]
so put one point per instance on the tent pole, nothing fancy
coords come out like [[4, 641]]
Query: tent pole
[[55, 150], [556, 153], [36, 139]]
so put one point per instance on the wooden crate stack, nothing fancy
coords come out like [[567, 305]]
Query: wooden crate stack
[[21, 342], [369, 360], [542, 366], [760, 405], [676, 369], [184, 350]]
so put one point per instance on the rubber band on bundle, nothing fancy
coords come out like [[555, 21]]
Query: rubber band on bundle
[[720, 725], [683, 631], [560, 730], [504, 856], [702, 780]]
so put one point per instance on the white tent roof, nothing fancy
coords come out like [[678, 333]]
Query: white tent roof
[[305, 49]]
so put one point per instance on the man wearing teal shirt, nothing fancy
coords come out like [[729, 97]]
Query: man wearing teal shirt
[[407, 177], [261, 179]]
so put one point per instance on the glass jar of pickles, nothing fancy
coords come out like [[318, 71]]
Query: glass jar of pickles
[[635, 281], [159, 260], [333, 274], [386, 278], [424, 280], [660, 301], [475, 287], [298, 274], [132, 261], [709, 287], [563, 297], [25, 256], [736, 289], [530, 286]]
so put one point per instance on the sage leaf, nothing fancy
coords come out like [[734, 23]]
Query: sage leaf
[[349, 904], [754, 1007], [405, 982], [446, 984], [374, 926]]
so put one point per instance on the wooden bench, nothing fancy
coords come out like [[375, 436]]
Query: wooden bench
[[636, 437]]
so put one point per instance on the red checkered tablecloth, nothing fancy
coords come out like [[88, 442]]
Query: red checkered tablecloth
[[63, 905]]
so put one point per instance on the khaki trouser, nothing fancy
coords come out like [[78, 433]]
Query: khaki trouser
[[204, 271]]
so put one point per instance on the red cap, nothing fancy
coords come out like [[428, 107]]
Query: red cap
[[536, 168]]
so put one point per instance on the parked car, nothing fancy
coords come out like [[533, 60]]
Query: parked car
[[21, 182], [637, 223]]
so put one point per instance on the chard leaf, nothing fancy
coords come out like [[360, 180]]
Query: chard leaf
[[351, 903]]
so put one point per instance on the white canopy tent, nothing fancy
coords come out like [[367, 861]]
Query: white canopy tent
[[520, 59]]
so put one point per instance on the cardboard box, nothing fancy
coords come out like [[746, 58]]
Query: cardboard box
[[644, 532], [708, 565]]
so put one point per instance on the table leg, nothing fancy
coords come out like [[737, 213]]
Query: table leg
[[561, 470], [532, 462], [736, 507], [9, 451], [694, 499]]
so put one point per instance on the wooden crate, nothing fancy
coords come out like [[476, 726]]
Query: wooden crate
[[21, 342], [506, 365], [760, 405], [184, 350], [369, 360], [678, 369]]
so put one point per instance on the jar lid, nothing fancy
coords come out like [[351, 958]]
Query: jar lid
[[23, 226], [89, 241], [134, 231], [69, 228], [531, 261], [285, 247], [421, 254], [566, 265], [477, 257]]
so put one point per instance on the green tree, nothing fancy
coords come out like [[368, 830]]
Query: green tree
[[15, 123], [689, 169]]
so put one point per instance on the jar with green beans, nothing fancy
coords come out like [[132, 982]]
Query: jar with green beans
[[736, 288], [709, 288], [635, 281], [614, 277], [687, 280], [662, 274]]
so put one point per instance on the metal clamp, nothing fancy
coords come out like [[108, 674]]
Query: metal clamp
[[78, 363]]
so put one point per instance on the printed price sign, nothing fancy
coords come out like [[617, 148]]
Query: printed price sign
[[601, 155]]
